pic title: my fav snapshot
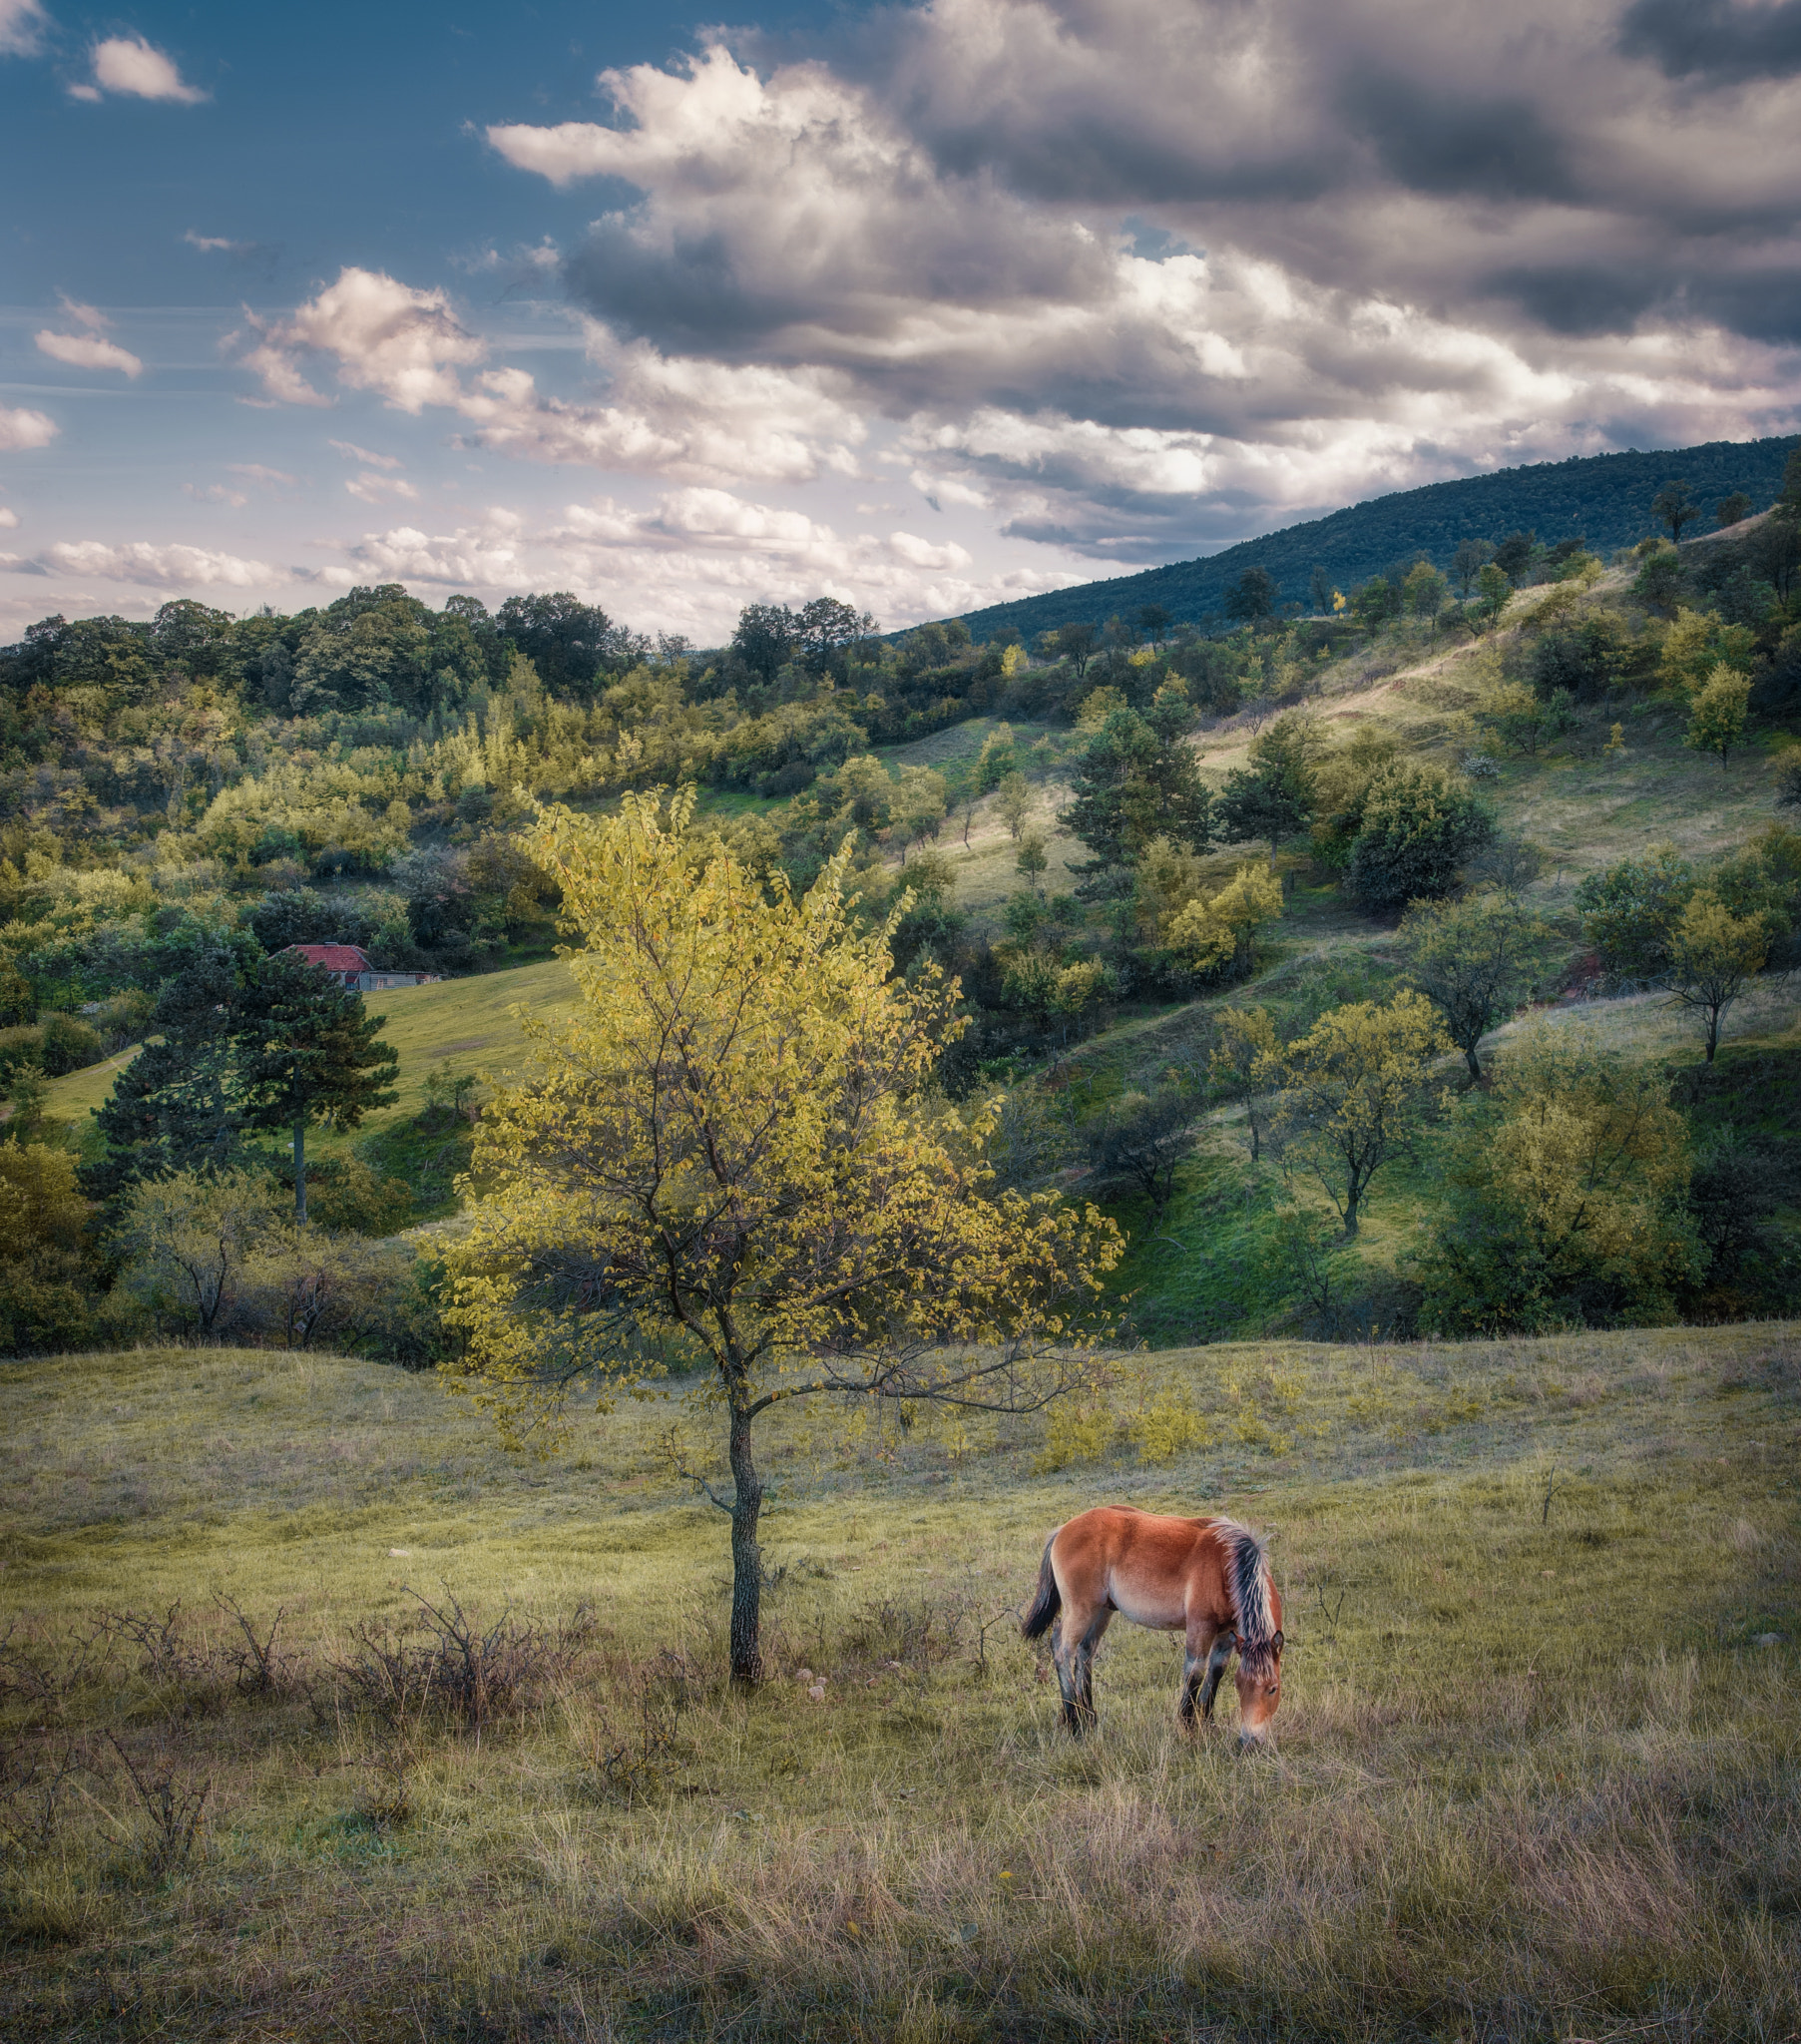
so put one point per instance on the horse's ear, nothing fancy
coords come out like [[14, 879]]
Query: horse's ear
[[1277, 1643]]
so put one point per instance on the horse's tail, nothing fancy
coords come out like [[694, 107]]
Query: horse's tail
[[1048, 1602]]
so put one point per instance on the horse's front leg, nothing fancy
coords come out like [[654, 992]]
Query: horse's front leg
[[1203, 1666]]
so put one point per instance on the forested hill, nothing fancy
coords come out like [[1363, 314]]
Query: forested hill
[[1605, 498]]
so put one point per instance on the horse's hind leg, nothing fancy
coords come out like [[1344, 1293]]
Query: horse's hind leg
[[1078, 1634]]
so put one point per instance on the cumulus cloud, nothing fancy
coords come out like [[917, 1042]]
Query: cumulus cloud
[[664, 415], [89, 352], [21, 429], [149, 565], [22, 26], [9, 518], [1145, 278], [138, 70]]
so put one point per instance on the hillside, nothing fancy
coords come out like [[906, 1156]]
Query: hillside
[[1536, 1753], [1602, 498]]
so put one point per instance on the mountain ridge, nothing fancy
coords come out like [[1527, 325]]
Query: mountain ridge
[[1605, 498]]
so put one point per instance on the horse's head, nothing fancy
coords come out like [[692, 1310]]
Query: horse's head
[[1259, 1680]]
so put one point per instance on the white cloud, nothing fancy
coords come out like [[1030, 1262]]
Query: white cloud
[[218, 244], [253, 471], [381, 336], [20, 429], [214, 493], [9, 518], [22, 26], [686, 418], [486, 555], [90, 316], [89, 352], [150, 566], [352, 452], [372, 489], [130, 64]]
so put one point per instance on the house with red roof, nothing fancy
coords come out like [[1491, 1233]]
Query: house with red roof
[[349, 966]]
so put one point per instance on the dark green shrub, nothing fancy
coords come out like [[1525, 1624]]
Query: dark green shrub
[[1419, 826]]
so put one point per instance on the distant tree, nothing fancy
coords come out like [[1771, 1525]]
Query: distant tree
[[1074, 643], [1245, 1065], [1630, 911], [1015, 800], [1565, 1193], [1467, 563], [1274, 796], [1357, 1090], [1713, 956], [1154, 622], [1661, 582], [826, 630], [1171, 714], [1470, 958], [186, 1240], [1729, 510], [998, 758], [1320, 590], [920, 802], [1139, 1137], [1373, 602], [1716, 715], [1032, 858], [1254, 597], [1129, 787], [1419, 826], [766, 638], [1676, 507], [1219, 929], [571, 644], [1493, 591], [1515, 554], [1788, 784], [1425, 589], [309, 1054]]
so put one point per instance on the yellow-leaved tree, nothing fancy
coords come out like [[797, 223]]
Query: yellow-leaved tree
[[732, 1146], [1357, 1090], [1565, 1193], [1714, 955], [1220, 929]]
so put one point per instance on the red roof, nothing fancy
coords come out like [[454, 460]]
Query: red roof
[[333, 957]]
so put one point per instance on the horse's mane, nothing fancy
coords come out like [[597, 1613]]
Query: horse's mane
[[1247, 1584]]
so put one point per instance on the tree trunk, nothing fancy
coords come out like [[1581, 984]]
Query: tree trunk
[[1350, 1216], [301, 1169], [1713, 1033], [746, 1558], [1471, 1060]]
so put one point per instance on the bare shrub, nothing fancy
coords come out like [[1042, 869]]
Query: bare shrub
[[171, 1798], [446, 1664]]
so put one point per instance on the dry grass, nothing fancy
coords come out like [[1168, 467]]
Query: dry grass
[[1536, 1780]]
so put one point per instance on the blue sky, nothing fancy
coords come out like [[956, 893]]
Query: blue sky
[[918, 306]]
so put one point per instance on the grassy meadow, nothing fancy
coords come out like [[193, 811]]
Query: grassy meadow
[[1535, 1775]]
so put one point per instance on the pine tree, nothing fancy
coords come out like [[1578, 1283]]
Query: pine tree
[[307, 1053], [175, 1105]]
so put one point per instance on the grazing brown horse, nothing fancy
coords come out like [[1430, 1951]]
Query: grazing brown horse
[[1207, 1578]]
